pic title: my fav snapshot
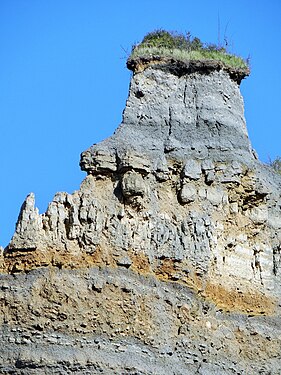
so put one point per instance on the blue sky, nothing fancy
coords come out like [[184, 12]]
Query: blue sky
[[64, 81]]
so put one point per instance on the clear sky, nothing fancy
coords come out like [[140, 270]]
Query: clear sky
[[64, 81]]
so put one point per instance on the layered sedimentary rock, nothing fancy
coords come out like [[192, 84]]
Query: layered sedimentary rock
[[167, 259]]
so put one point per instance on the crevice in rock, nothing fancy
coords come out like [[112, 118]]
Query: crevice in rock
[[276, 259], [184, 93], [170, 121], [195, 99]]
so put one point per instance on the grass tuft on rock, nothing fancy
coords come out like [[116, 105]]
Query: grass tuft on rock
[[184, 48]]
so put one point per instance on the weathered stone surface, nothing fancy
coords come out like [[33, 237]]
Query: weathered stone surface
[[118, 322], [188, 118], [192, 169], [133, 184], [188, 193], [167, 259]]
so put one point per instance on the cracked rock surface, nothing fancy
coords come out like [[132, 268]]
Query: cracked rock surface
[[167, 259]]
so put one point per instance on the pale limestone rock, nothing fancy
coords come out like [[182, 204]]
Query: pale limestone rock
[[133, 184], [259, 215], [192, 169], [215, 195], [188, 193], [29, 228]]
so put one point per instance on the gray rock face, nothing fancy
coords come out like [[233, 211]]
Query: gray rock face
[[188, 119], [166, 260]]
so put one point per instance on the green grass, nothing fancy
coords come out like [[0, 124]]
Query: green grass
[[182, 47], [183, 55]]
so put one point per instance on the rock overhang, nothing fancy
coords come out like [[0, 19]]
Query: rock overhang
[[180, 67]]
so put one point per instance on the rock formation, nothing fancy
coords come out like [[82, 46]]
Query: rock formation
[[167, 259]]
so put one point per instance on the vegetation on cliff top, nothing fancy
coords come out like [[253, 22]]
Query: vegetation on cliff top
[[184, 48]]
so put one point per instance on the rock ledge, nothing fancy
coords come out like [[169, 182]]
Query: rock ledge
[[180, 68]]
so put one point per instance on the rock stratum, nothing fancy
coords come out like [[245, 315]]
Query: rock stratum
[[167, 259]]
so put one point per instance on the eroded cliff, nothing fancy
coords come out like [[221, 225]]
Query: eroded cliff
[[166, 260]]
